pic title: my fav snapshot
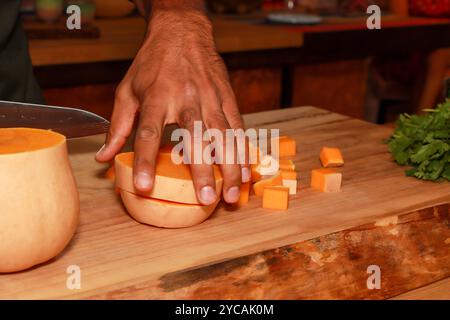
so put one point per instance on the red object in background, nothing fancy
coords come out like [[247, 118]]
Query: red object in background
[[430, 8], [274, 4]]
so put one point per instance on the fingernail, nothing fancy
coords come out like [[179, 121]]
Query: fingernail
[[207, 195], [100, 151], [143, 181], [245, 174], [233, 194]]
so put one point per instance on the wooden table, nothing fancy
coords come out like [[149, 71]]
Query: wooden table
[[320, 248]]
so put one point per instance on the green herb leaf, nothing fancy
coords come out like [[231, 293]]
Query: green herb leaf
[[423, 142]]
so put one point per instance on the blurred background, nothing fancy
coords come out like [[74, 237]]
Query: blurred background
[[279, 53]]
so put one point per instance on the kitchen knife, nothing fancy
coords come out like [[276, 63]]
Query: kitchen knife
[[73, 123]]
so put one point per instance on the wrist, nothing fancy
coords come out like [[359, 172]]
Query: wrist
[[180, 24]]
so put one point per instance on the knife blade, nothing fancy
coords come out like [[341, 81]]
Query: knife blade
[[71, 122]]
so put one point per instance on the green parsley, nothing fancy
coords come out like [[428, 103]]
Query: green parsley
[[423, 142]]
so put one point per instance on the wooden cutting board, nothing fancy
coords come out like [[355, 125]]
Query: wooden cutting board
[[119, 257]]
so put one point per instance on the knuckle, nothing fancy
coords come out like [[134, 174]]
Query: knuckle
[[148, 132], [190, 90], [234, 175], [217, 120], [187, 117], [120, 92]]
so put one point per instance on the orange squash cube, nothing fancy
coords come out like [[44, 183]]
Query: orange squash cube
[[287, 146], [256, 176], [275, 198], [331, 157], [286, 164], [326, 180], [245, 191], [259, 186], [289, 175]]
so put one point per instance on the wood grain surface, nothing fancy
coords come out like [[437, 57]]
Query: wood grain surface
[[121, 38], [119, 257]]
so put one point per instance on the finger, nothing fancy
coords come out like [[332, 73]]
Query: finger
[[231, 170], [234, 118], [146, 146], [202, 173], [124, 113]]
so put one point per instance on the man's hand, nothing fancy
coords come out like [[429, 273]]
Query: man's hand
[[176, 77]]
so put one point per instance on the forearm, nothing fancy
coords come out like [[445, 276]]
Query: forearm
[[145, 7]]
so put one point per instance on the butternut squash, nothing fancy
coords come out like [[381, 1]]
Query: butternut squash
[[331, 157], [173, 182], [275, 198], [326, 180], [165, 214], [39, 205], [259, 186]]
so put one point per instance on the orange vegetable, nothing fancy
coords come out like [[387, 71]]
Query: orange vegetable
[[268, 166], [165, 214], [287, 146], [256, 176], [173, 182], [172, 202], [110, 174], [275, 198], [286, 164], [326, 180], [289, 175], [290, 181], [331, 157], [39, 204], [258, 187], [245, 192]]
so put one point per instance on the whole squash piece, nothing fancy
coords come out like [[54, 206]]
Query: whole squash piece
[[39, 204]]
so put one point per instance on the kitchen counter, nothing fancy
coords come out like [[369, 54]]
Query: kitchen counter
[[121, 38], [321, 247]]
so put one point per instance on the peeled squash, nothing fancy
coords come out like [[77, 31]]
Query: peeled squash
[[172, 202], [165, 214], [39, 204], [173, 182]]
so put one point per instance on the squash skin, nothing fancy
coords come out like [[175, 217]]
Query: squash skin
[[39, 206], [165, 214]]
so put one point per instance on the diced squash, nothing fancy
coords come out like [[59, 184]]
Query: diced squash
[[286, 164], [256, 176], [287, 146], [326, 180], [331, 157], [258, 187], [244, 195], [289, 175], [268, 166], [275, 198], [291, 184]]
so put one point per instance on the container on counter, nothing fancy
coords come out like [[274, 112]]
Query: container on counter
[[49, 10]]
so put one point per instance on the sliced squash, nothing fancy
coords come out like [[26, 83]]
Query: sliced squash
[[165, 214], [173, 182]]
